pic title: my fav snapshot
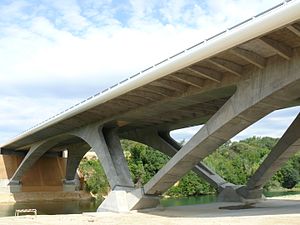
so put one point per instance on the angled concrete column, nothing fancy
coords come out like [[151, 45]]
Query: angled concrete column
[[35, 152], [162, 141], [75, 154], [258, 93], [286, 147], [118, 158], [106, 144]]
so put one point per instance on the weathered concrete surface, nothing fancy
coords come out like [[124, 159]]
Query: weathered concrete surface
[[258, 94], [127, 200], [45, 175], [36, 152], [116, 201], [107, 146], [75, 154], [110, 154], [137, 199]]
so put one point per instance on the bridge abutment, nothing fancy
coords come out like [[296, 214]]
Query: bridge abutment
[[45, 175]]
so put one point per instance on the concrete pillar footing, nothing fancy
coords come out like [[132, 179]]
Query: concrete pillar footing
[[125, 201], [123, 188], [238, 193], [253, 195], [14, 186], [69, 185]]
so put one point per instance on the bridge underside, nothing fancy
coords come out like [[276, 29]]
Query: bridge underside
[[226, 93], [46, 175]]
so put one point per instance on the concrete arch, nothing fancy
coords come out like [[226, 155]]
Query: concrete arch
[[106, 144], [34, 153]]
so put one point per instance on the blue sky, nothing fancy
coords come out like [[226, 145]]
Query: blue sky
[[55, 53]]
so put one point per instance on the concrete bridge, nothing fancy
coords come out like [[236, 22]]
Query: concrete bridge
[[227, 82]]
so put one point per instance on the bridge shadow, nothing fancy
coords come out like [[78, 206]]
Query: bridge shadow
[[229, 209]]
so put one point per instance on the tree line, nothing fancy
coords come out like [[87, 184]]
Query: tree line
[[236, 162]]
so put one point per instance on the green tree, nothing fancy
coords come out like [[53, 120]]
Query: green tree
[[94, 176], [290, 177], [190, 185], [143, 161], [236, 162]]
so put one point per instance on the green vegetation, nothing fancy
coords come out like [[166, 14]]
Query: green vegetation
[[94, 176], [234, 161]]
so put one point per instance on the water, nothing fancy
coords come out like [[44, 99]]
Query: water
[[51, 207], [204, 199], [280, 193], [73, 207]]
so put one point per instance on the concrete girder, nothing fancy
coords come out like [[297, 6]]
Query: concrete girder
[[258, 93], [206, 73], [280, 48], [162, 141], [295, 28], [107, 146], [286, 147], [250, 57], [229, 66]]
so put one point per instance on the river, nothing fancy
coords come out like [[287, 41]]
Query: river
[[72, 207]]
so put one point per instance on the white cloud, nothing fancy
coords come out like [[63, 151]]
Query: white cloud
[[184, 134], [20, 113], [70, 11], [13, 11]]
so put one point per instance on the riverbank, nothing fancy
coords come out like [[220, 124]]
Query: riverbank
[[273, 211]]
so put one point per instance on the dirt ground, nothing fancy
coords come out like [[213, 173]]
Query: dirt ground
[[273, 211]]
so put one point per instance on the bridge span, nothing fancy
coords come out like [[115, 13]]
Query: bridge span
[[226, 83]]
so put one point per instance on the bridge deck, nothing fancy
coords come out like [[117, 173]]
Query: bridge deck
[[188, 88]]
